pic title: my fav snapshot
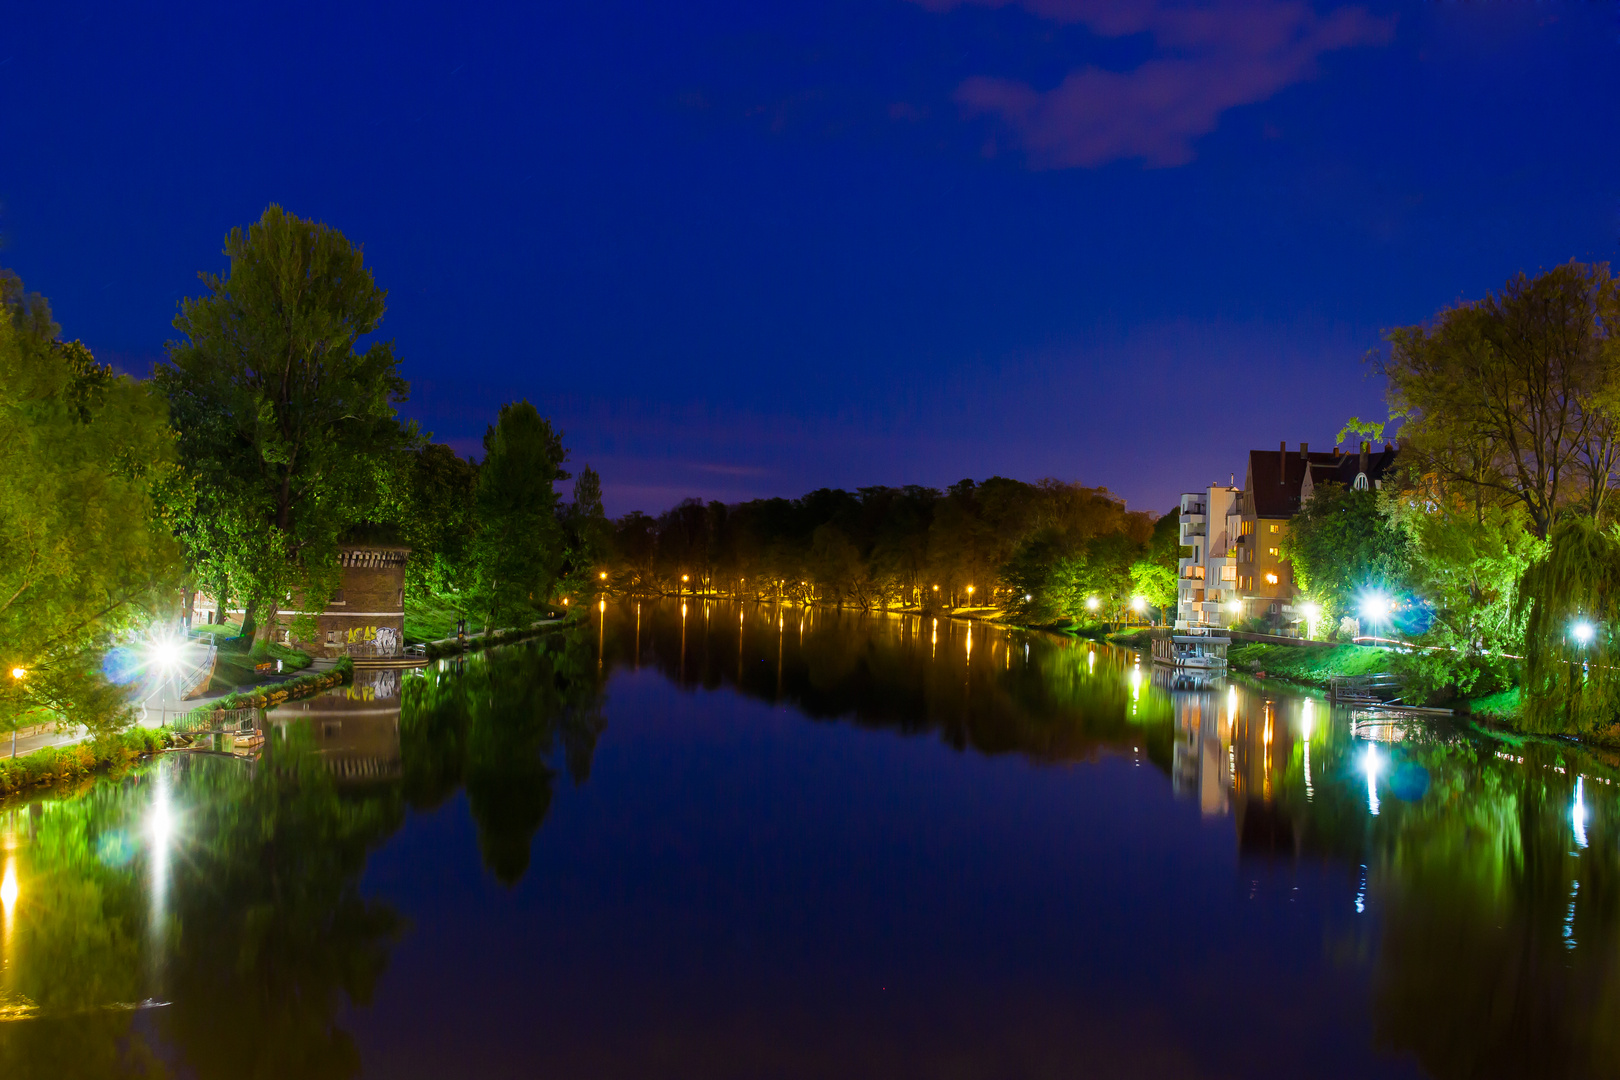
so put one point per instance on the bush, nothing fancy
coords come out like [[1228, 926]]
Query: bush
[[56, 764]]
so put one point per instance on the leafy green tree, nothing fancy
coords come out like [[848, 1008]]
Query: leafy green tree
[[84, 551], [286, 423], [587, 533], [1341, 544], [1517, 393], [519, 547], [1465, 556], [441, 521], [1153, 576]]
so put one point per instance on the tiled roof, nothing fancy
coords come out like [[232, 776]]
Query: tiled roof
[[1276, 477]]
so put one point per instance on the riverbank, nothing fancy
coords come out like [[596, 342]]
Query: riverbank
[[452, 646], [62, 764], [1307, 665]]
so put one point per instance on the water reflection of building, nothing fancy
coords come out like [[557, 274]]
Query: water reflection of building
[[354, 729], [1200, 762]]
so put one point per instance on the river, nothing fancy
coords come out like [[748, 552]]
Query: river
[[711, 840]]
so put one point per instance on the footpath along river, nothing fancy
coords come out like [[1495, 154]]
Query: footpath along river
[[715, 840]]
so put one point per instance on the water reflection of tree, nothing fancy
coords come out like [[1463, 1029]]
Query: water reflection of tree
[[262, 935], [247, 921], [1060, 701], [1501, 934], [491, 724]]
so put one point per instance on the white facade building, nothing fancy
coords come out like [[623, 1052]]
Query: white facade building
[[1207, 578]]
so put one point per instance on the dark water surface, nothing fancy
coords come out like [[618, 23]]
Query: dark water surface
[[741, 843]]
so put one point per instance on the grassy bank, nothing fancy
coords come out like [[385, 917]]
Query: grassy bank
[[59, 764], [436, 649], [1307, 665], [427, 618]]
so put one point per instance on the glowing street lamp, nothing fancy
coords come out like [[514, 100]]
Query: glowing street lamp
[[1138, 604], [1375, 607], [1582, 632], [603, 575], [1091, 603], [17, 672]]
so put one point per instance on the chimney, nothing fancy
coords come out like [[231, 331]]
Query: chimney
[[1335, 454], [1282, 462], [1366, 448], [1389, 448], [1304, 451]]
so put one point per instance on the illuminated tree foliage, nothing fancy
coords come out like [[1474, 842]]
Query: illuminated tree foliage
[[285, 422], [1340, 545], [1516, 394], [1052, 542], [1572, 687], [86, 457]]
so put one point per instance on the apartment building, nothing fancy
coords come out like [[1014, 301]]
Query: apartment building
[[1206, 577], [1236, 570]]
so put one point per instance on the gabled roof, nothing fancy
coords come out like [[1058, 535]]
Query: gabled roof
[[1277, 477]]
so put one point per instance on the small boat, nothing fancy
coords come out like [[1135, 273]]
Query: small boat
[[1191, 650]]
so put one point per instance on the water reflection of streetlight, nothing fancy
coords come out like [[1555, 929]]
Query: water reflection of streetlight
[[1577, 813], [1371, 764], [9, 890]]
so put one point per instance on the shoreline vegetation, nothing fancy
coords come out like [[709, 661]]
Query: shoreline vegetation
[[224, 478]]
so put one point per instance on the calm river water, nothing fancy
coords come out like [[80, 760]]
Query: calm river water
[[723, 841]]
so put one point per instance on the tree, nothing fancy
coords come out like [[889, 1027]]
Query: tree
[[1340, 545], [1516, 393], [1571, 604], [519, 547], [1153, 576], [286, 423], [441, 521], [84, 552]]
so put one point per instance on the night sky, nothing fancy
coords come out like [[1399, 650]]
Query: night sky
[[746, 249]]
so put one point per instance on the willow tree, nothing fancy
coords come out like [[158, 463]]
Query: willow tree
[[286, 422], [84, 552], [1570, 601]]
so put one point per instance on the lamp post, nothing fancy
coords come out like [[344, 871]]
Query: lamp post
[[17, 675]]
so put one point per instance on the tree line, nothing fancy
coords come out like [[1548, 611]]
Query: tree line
[[267, 438], [1045, 551]]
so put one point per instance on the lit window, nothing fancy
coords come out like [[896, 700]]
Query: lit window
[[1276, 528], [1271, 579], [1271, 551]]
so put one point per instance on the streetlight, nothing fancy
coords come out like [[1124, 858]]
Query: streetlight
[[603, 575], [1582, 632], [1091, 603]]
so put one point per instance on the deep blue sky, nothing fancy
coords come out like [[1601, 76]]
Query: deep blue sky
[[742, 249]]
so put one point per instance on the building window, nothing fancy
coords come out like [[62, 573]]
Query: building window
[[1272, 552], [1228, 573], [1246, 529], [1275, 527], [1271, 579]]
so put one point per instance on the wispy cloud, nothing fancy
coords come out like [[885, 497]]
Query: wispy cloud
[[1209, 57]]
